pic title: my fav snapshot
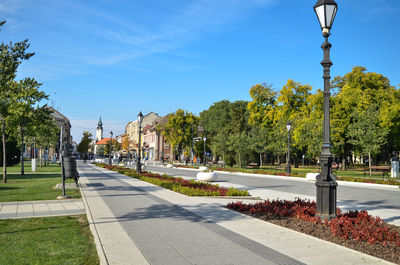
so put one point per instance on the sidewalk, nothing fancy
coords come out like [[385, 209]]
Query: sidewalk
[[135, 222], [26, 209]]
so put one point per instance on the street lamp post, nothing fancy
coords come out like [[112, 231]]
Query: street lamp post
[[204, 148], [326, 181], [139, 165], [288, 168], [110, 150]]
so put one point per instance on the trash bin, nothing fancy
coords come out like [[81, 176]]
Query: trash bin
[[70, 168]]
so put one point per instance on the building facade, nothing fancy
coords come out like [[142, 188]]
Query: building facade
[[154, 144], [132, 132]]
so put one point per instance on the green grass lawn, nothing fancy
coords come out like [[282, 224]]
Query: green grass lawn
[[32, 187], [53, 168], [53, 240]]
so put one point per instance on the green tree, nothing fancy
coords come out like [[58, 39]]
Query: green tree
[[13, 152], [44, 133], [356, 92], [100, 150], [307, 135], [11, 56], [83, 146], [259, 141], [272, 111], [178, 131], [239, 143], [366, 134], [22, 110], [262, 107]]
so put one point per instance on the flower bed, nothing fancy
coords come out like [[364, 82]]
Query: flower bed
[[355, 229], [187, 187]]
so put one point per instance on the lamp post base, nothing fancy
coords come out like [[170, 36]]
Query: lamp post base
[[326, 198]]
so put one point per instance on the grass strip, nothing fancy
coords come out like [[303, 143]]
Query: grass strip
[[53, 168], [53, 240], [33, 187]]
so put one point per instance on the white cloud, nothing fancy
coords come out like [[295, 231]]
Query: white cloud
[[10, 6], [69, 36]]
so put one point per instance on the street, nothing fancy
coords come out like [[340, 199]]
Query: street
[[378, 201]]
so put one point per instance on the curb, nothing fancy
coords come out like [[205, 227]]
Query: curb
[[99, 246]]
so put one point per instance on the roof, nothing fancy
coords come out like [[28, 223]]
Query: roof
[[104, 141]]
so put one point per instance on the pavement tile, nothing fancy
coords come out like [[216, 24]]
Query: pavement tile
[[59, 212], [145, 237], [9, 208], [25, 208], [210, 259], [243, 258], [8, 215], [42, 213], [76, 211], [196, 251], [171, 261], [56, 207], [166, 252], [25, 214]]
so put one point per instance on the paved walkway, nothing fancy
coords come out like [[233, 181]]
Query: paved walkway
[[135, 222], [25, 209]]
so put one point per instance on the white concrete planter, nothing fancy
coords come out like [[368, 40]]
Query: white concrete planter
[[312, 176], [203, 168], [206, 176], [170, 166]]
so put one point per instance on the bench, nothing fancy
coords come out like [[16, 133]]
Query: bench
[[383, 169], [252, 165]]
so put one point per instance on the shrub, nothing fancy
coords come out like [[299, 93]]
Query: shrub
[[354, 225]]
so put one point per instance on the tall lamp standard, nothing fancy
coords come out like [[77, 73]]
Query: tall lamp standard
[[288, 168], [139, 165], [110, 150], [204, 148], [326, 181]]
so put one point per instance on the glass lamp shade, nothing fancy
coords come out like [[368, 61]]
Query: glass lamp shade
[[288, 126], [204, 139], [326, 12], [140, 118]]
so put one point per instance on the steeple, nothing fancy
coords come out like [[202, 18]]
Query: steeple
[[100, 124], [99, 131]]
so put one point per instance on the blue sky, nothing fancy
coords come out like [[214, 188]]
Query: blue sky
[[116, 57]]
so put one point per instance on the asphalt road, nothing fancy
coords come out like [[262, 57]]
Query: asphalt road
[[384, 202]]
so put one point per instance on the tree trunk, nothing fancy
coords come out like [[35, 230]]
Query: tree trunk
[[240, 161], [369, 162], [261, 160], [22, 152], [279, 160], [4, 152]]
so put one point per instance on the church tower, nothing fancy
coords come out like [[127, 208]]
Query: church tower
[[99, 130]]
